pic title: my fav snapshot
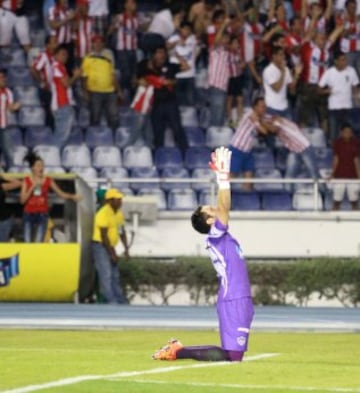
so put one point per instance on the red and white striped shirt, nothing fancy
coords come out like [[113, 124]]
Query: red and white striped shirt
[[245, 135], [64, 32], [235, 66], [143, 99], [291, 135], [127, 26], [219, 70], [293, 42], [82, 36], [6, 99], [61, 95], [315, 61], [43, 64], [350, 42], [250, 41]]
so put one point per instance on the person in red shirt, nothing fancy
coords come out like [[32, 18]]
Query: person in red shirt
[[34, 196], [346, 156]]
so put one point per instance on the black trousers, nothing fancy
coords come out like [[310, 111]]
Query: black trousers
[[166, 114]]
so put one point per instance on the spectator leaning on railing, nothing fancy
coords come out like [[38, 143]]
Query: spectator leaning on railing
[[34, 196]]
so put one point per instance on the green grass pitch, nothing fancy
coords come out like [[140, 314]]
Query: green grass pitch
[[120, 361]]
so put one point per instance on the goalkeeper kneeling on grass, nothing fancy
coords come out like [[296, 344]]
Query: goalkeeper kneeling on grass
[[234, 304]]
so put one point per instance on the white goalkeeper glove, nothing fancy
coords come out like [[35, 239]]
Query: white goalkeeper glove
[[220, 164]]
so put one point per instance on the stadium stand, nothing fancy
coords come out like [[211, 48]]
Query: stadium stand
[[168, 157], [172, 174], [38, 135], [106, 156], [182, 199]]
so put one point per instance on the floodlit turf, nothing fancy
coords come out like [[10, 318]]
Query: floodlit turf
[[317, 363]]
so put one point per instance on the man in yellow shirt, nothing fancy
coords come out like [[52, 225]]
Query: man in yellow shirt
[[109, 221], [100, 85]]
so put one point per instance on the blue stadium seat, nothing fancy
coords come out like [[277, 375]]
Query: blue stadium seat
[[206, 198], [182, 199], [49, 154], [13, 57], [88, 173], [122, 136], [148, 173], [27, 95], [19, 76], [244, 200], [316, 136], [202, 173], [276, 200], [304, 187], [324, 157], [303, 200], [16, 135], [195, 136], [168, 157], [174, 173], [158, 192], [31, 116], [19, 169], [55, 169], [104, 156], [271, 173], [264, 158], [76, 136], [40, 135], [137, 156], [76, 156], [188, 116], [19, 154], [99, 136], [197, 157], [115, 175], [218, 136]]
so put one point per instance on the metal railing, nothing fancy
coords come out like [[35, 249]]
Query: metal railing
[[317, 184]]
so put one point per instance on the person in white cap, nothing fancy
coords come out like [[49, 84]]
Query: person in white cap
[[109, 222]]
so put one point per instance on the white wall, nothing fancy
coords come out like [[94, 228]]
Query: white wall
[[261, 234]]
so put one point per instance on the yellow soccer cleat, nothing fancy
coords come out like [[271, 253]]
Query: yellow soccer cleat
[[168, 352]]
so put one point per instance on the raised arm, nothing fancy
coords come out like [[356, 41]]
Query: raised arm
[[220, 164]]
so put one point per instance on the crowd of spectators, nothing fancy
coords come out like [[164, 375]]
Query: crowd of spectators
[[301, 56]]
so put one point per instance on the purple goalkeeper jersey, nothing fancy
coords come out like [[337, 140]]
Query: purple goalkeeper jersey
[[228, 260]]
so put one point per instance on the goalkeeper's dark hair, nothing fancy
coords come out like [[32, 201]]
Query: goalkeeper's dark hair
[[198, 221]]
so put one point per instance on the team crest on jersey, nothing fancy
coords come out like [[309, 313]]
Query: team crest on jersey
[[241, 340]]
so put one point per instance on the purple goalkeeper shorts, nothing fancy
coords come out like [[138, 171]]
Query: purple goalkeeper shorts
[[235, 317]]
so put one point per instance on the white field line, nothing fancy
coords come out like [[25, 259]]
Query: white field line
[[239, 386], [125, 374]]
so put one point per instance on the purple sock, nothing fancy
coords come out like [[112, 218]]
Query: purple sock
[[209, 353]]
